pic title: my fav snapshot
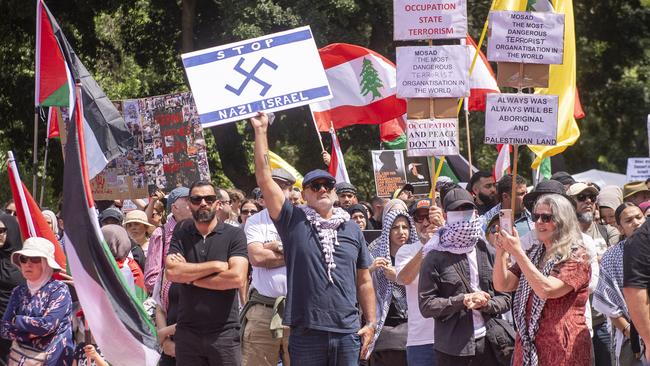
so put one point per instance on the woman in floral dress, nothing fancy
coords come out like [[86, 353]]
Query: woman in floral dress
[[39, 314]]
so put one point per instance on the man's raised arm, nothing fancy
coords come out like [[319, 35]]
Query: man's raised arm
[[273, 195]]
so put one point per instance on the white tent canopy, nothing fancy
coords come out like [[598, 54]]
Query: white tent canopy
[[601, 178]]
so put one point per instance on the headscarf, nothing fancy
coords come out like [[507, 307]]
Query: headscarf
[[394, 204], [46, 275], [10, 275], [327, 236], [360, 208], [386, 289], [118, 240], [55, 223]]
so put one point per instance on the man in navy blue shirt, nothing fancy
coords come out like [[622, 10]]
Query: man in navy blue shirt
[[327, 267]]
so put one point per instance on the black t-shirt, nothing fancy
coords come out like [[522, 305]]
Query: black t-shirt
[[312, 300], [636, 259], [199, 309]]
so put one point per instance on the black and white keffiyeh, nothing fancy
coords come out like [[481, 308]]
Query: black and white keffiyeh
[[458, 238], [528, 330], [326, 229], [385, 289]]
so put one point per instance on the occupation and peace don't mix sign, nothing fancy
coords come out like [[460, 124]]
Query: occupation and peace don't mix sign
[[270, 73]]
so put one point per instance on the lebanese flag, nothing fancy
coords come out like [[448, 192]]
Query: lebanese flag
[[30, 218], [337, 163], [363, 84], [53, 80], [116, 317], [502, 165], [53, 118], [482, 80]]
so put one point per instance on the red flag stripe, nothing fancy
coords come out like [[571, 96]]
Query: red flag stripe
[[373, 113], [339, 53], [50, 65], [78, 120]]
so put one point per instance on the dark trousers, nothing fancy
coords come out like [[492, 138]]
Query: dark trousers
[[319, 348], [483, 356], [212, 349], [601, 341]]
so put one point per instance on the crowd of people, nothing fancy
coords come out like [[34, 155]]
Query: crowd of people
[[313, 275]]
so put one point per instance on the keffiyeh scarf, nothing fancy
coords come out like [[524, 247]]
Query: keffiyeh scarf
[[326, 229], [458, 238], [528, 330], [385, 289]]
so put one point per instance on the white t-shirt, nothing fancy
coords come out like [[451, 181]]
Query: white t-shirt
[[268, 282], [479, 324], [420, 329]]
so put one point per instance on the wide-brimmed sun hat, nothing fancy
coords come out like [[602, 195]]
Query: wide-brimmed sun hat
[[37, 247]]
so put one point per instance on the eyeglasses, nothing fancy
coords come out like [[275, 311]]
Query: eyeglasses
[[420, 218], [209, 199], [316, 186], [248, 212], [3, 230], [23, 259], [11, 212], [583, 197], [546, 218]]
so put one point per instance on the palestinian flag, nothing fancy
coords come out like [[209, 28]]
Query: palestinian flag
[[105, 131], [30, 218], [53, 121], [117, 320]]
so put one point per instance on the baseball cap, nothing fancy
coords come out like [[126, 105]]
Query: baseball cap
[[406, 187], [283, 176], [456, 198], [175, 194], [578, 188], [317, 174], [424, 203], [111, 212]]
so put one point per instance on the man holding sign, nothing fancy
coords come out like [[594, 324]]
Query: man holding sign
[[327, 267]]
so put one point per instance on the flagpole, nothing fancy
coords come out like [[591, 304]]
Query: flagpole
[[513, 194], [35, 156], [320, 138], [469, 139], [21, 194], [47, 147]]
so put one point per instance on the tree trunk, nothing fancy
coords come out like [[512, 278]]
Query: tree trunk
[[187, 25], [230, 145]]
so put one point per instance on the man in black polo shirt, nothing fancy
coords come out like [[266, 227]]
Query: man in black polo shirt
[[327, 267], [210, 259]]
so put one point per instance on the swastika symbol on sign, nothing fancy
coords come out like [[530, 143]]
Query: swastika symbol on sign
[[250, 75]]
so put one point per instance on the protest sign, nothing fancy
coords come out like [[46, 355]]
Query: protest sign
[[169, 149], [429, 19], [393, 169], [521, 119], [270, 73], [648, 134], [433, 72], [638, 169], [526, 37], [432, 137]]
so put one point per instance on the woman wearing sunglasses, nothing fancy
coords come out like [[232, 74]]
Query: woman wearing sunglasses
[[247, 209], [551, 283], [38, 317]]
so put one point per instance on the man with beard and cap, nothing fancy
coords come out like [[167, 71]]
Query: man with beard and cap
[[604, 236], [523, 219], [483, 187], [456, 288], [10, 275], [264, 338], [428, 219], [327, 264], [209, 259], [347, 194]]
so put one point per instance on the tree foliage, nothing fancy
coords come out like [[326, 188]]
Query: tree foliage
[[133, 49]]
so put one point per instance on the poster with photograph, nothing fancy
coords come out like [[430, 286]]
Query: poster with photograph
[[393, 169], [169, 149]]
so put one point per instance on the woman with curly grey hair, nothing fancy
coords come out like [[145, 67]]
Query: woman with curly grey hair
[[551, 283]]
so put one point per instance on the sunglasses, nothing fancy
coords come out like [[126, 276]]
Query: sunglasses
[[248, 212], [492, 229], [10, 212], [35, 260], [546, 218], [583, 197], [209, 199], [3, 230], [317, 186], [420, 218]]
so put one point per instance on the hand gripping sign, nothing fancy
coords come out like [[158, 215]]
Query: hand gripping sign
[[270, 73]]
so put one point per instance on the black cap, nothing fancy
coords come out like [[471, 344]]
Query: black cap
[[111, 212], [563, 177], [345, 187], [456, 198], [542, 188]]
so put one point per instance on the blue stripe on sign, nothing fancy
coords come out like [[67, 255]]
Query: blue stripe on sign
[[265, 104], [243, 49]]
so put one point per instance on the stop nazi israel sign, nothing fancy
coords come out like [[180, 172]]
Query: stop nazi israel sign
[[521, 119]]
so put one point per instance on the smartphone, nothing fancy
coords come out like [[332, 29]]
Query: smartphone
[[505, 220]]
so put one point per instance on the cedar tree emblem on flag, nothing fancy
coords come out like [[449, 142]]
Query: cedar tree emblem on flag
[[370, 81]]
